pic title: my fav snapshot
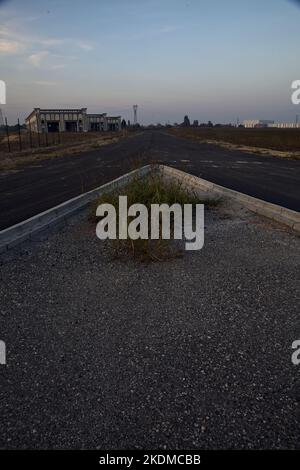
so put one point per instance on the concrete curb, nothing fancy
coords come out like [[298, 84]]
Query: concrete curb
[[26, 229], [272, 211]]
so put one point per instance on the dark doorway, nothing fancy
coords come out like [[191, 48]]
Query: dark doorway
[[71, 126], [95, 126], [53, 126]]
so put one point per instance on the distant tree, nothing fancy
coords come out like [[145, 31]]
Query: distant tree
[[186, 121], [13, 127], [207, 124], [195, 123]]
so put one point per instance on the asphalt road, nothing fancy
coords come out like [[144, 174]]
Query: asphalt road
[[190, 353], [40, 186]]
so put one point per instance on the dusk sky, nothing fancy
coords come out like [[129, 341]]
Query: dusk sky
[[213, 60]]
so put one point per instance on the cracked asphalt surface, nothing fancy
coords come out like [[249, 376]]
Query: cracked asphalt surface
[[192, 353], [40, 186]]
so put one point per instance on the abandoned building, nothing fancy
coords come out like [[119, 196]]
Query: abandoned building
[[70, 120]]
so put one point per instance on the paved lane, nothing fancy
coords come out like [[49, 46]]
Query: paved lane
[[38, 187]]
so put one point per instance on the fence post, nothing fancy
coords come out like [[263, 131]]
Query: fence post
[[30, 135], [19, 130], [7, 134], [38, 133]]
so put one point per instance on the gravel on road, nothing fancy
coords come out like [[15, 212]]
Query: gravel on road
[[191, 353]]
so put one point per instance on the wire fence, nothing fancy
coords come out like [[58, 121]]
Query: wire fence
[[17, 138]]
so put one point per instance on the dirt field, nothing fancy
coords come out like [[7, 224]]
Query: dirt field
[[44, 147], [277, 142]]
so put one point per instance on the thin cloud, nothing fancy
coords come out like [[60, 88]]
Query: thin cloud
[[36, 59], [10, 47], [13, 40], [58, 66], [44, 83], [50, 42], [167, 29], [29, 40], [85, 46]]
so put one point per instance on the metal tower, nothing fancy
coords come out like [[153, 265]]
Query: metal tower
[[135, 107]]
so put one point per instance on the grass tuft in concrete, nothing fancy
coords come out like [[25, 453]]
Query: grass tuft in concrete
[[148, 191]]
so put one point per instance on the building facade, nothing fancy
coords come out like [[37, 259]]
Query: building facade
[[71, 120], [251, 123], [286, 125]]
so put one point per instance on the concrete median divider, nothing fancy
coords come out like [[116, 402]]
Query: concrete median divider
[[277, 213], [43, 221]]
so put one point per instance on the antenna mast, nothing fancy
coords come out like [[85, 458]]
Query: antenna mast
[[135, 107]]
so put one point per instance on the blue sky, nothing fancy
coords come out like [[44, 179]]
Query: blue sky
[[213, 60]]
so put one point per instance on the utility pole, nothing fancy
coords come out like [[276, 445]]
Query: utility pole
[[7, 135], [19, 132]]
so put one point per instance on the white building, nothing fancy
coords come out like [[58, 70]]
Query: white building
[[286, 125], [71, 120], [251, 123]]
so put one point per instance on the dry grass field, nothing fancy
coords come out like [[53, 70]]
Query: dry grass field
[[44, 147], [277, 142]]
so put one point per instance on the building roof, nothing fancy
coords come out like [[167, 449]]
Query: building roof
[[54, 110], [96, 114], [68, 110]]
